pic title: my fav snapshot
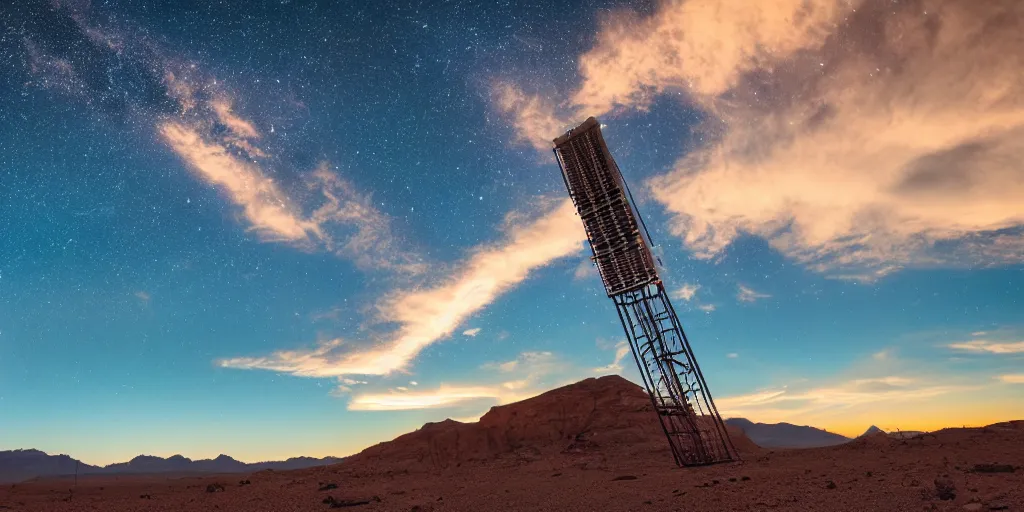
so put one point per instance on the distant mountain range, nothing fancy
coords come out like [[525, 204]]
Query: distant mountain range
[[19, 465], [786, 435]]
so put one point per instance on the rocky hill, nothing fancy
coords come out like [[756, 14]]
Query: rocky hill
[[598, 415]]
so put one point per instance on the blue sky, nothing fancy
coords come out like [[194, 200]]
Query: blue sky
[[304, 228]]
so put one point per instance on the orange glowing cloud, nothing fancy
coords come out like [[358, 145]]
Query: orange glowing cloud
[[699, 46], [536, 119], [990, 347], [856, 137], [267, 209]]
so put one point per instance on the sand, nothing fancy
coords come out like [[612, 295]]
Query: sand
[[612, 462]]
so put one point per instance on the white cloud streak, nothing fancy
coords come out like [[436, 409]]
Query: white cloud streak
[[1012, 378], [787, 404], [523, 379], [442, 397], [990, 347], [535, 119], [621, 351], [747, 294], [264, 205], [431, 314], [472, 332], [686, 292]]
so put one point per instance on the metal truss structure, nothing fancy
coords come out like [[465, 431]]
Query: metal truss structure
[[621, 250]]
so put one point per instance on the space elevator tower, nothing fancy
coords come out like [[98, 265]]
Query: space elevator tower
[[622, 253]]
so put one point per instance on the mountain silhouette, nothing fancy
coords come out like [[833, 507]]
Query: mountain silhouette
[[872, 430], [17, 465], [786, 435], [20, 465]]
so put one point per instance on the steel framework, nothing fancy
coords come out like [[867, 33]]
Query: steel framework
[[621, 250]]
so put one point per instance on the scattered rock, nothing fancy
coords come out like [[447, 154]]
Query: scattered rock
[[648, 502], [945, 489], [830, 485], [998, 506], [336, 503], [422, 508], [994, 468], [215, 488], [244, 482], [556, 474], [145, 497], [732, 479], [624, 477], [745, 478], [868, 474], [328, 487]]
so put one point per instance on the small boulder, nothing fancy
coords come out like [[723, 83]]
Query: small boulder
[[945, 489], [994, 468], [623, 477], [215, 488], [328, 487]]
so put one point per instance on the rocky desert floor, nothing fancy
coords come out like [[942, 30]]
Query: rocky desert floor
[[588, 448]]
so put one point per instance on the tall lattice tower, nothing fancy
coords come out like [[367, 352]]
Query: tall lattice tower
[[622, 252]]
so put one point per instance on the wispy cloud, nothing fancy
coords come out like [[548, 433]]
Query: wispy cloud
[[428, 315], [272, 215], [621, 351], [585, 270], [535, 118], [373, 245], [240, 127], [817, 141], [143, 297], [699, 46], [1012, 378], [199, 120], [732, 355], [990, 347], [344, 222], [534, 361], [747, 294], [523, 378], [686, 292], [441, 397], [792, 404], [707, 308], [472, 332]]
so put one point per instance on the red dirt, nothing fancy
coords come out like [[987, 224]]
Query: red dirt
[[568, 450]]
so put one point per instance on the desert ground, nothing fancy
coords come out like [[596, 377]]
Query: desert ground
[[591, 446]]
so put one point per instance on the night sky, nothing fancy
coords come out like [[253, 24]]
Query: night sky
[[300, 228]]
